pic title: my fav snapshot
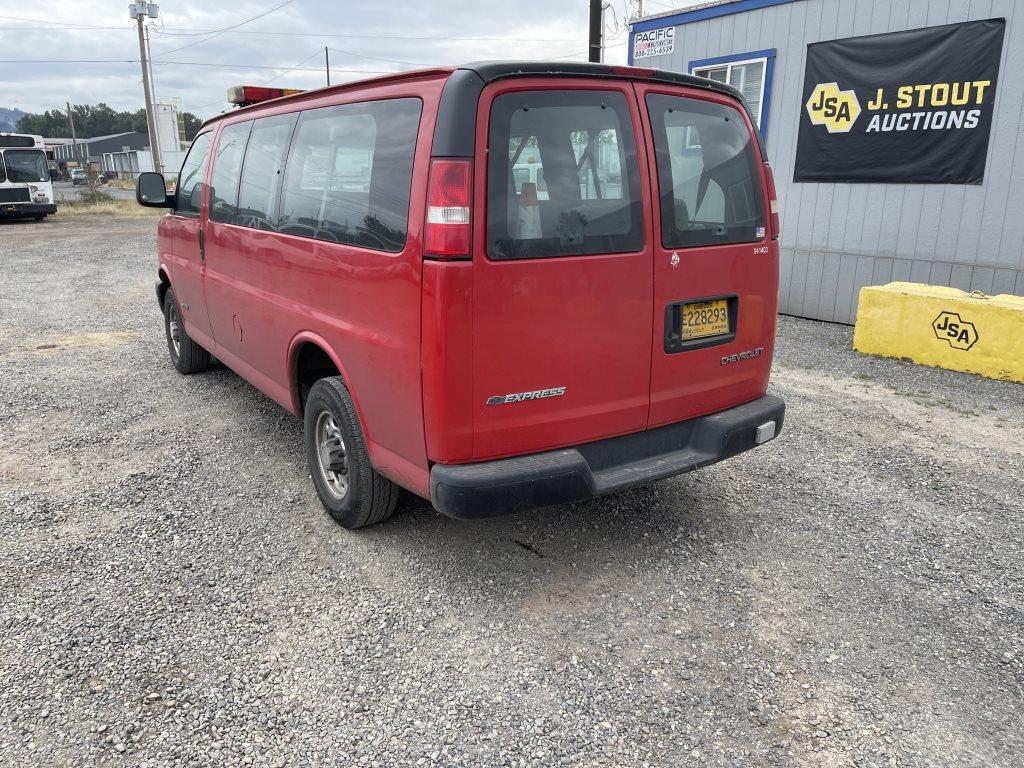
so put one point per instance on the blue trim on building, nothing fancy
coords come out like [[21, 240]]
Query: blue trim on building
[[766, 102], [767, 53], [769, 71], [687, 17], [714, 12]]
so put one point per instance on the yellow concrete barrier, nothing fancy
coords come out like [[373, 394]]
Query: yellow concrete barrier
[[943, 327]]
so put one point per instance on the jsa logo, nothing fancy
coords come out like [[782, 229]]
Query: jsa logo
[[960, 333], [835, 109]]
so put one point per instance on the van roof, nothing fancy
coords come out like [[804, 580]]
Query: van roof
[[489, 71]]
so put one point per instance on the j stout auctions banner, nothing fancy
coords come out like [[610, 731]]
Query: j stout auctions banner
[[911, 106]]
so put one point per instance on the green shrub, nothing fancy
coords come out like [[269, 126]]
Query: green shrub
[[95, 196]]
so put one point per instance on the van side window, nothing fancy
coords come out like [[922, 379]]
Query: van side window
[[193, 172], [349, 174], [261, 169], [708, 173], [562, 175], [227, 170]]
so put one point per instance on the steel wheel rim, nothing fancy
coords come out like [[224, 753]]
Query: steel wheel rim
[[174, 329], [331, 456]]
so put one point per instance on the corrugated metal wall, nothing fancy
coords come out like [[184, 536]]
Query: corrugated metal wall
[[838, 238]]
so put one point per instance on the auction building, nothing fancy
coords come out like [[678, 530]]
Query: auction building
[[894, 129]]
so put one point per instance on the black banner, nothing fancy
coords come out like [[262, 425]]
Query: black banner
[[912, 106]]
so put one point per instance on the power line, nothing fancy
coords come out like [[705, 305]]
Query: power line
[[189, 64], [263, 66], [267, 12], [376, 58], [292, 69], [438, 38], [59, 23], [183, 31], [584, 52], [266, 82], [62, 28]]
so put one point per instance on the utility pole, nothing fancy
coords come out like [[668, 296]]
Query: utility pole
[[594, 47], [327, 63], [140, 10], [604, 7], [155, 140], [74, 141], [74, 144]]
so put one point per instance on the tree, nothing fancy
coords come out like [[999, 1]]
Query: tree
[[192, 124], [92, 121]]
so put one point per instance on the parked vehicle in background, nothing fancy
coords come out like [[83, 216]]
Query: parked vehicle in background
[[501, 286], [25, 187], [79, 177]]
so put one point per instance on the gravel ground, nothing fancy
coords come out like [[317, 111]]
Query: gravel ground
[[172, 593]]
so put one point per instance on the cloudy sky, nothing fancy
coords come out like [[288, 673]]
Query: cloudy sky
[[86, 51]]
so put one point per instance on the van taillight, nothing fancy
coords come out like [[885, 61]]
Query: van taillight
[[773, 201], [448, 196]]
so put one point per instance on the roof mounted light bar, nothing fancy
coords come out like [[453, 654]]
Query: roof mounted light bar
[[244, 95]]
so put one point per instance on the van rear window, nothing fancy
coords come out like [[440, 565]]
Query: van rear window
[[349, 174], [708, 173], [562, 176]]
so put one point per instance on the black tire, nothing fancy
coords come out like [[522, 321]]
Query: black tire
[[39, 216], [368, 497], [186, 355]]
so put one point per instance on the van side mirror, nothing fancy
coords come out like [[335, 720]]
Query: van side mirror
[[151, 192], [195, 198]]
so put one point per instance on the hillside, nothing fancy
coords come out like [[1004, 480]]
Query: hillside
[[9, 118]]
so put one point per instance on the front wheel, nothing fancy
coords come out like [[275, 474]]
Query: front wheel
[[186, 355], [352, 492]]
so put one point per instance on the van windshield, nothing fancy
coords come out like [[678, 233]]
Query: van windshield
[[562, 176], [707, 172], [25, 166]]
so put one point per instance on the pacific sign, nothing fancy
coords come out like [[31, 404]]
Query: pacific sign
[[656, 42]]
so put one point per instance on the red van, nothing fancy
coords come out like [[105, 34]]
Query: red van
[[499, 286]]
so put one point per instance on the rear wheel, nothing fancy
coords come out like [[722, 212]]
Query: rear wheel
[[352, 492], [186, 355]]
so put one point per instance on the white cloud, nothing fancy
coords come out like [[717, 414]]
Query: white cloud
[[534, 29]]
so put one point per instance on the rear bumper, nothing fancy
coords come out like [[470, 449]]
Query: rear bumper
[[486, 489], [26, 209]]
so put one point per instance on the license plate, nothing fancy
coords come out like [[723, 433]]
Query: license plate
[[705, 318]]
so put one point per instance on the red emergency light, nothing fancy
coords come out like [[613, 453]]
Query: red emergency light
[[243, 95]]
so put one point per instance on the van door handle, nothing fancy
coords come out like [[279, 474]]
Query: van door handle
[[202, 245]]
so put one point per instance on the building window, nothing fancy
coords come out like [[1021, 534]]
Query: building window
[[750, 73]]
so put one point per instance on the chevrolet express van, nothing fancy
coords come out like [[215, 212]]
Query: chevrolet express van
[[499, 286]]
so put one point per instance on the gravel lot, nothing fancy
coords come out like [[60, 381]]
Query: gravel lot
[[172, 593]]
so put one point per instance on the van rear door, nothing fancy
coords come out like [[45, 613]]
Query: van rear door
[[715, 260], [562, 274]]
